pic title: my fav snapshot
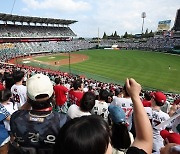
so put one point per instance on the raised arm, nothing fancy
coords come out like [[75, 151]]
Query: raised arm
[[144, 136]]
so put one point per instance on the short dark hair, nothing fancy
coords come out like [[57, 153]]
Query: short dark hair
[[18, 75], [158, 103], [103, 95], [5, 95], [147, 96], [117, 91], [57, 80], [84, 135], [77, 84], [38, 105], [87, 102], [9, 80], [120, 136]]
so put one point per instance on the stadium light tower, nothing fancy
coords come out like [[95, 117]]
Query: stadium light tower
[[143, 16]]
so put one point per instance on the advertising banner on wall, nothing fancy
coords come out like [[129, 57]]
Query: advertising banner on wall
[[164, 25]]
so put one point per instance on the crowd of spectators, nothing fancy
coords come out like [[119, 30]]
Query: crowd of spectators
[[26, 48], [28, 31], [155, 44], [42, 114]]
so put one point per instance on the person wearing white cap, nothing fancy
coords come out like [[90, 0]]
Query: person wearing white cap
[[37, 129]]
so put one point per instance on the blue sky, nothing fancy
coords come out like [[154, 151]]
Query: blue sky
[[107, 15]]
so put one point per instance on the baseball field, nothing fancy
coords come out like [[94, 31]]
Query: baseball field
[[153, 70]]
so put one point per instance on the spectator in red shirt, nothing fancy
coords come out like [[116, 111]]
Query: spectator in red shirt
[[76, 93], [60, 92], [147, 100]]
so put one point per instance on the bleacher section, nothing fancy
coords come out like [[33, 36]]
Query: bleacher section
[[34, 31]]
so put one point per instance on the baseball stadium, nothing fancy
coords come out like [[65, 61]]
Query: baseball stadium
[[62, 93], [153, 61]]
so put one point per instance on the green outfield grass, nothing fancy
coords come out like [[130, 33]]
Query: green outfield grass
[[151, 69]]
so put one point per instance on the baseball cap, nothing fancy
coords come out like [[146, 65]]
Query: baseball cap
[[117, 114], [39, 84], [171, 137], [159, 97]]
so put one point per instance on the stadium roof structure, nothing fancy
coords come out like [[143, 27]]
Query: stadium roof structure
[[28, 19], [176, 26]]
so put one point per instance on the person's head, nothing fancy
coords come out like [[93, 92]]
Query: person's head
[[110, 97], [87, 101], [158, 98], [103, 95], [84, 135], [117, 91], [5, 95], [120, 136], [18, 75], [78, 84], [39, 91], [147, 96], [57, 80], [9, 80]]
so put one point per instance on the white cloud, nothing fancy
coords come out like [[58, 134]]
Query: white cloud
[[25, 10], [126, 15], [60, 5], [108, 15]]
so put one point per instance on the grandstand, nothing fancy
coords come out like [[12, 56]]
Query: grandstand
[[44, 29], [34, 35]]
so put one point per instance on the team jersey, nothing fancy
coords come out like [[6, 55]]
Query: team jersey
[[19, 93], [146, 103], [101, 108], [38, 131], [75, 97], [127, 105], [60, 94], [74, 112], [156, 117]]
